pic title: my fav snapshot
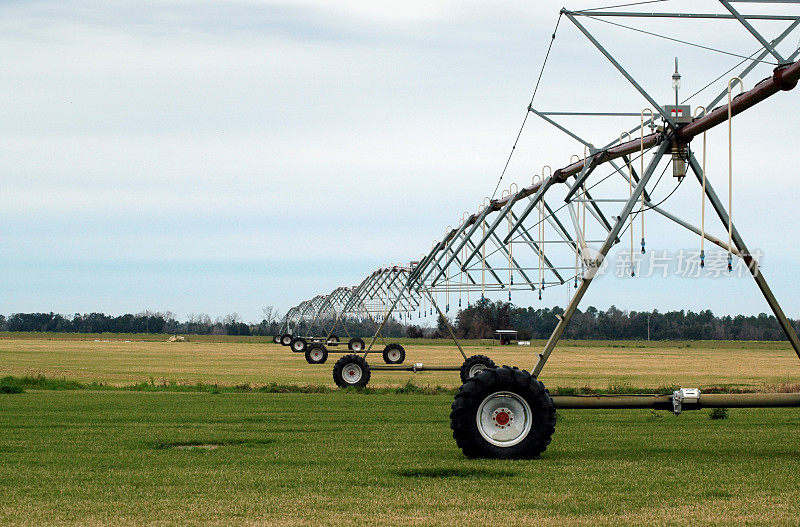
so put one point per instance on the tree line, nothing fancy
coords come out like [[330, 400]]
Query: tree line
[[144, 322], [157, 322], [483, 317], [476, 321]]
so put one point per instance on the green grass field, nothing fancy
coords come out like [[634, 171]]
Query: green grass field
[[118, 457]]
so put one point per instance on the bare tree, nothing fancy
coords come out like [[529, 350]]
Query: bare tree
[[270, 314]]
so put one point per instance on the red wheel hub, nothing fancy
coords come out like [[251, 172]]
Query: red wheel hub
[[502, 418]]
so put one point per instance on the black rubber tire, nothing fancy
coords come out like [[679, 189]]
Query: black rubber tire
[[334, 338], [316, 354], [463, 417], [394, 347], [276, 339], [473, 361], [299, 345], [339, 370], [286, 339], [351, 345]]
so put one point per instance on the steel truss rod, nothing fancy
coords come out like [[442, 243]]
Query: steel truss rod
[[488, 268], [753, 32], [501, 246], [445, 245], [558, 226], [594, 265], [713, 239], [718, 16], [594, 114], [447, 324], [581, 239], [527, 238], [448, 241], [751, 262], [510, 201], [374, 324], [453, 257], [423, 264], [667, 117], [588, 145], [750, 67], [389, 314]]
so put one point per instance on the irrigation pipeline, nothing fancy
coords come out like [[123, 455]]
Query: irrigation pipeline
[[665, 402], [784, 78]]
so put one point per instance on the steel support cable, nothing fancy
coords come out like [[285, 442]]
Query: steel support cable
[[704, 88], [527, 110], [621, 5], [679, 41]]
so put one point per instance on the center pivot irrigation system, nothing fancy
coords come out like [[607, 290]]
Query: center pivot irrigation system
[[389, 291], [558, 231]]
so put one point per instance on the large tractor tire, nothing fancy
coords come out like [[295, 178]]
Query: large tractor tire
[[351, 371], [299, 345], [286, 339], [357, 345], [276, 339], [316, 354], [503, 413], [473, 365], [394, 354]]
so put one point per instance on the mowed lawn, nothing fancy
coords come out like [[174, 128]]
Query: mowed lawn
[[127, 360], [166, 458], [116, 457]]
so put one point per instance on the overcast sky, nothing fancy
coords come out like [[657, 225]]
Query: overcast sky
[[221, 156]]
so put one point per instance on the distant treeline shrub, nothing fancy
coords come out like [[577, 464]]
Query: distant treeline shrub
[[482, 317], [478, 320]]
